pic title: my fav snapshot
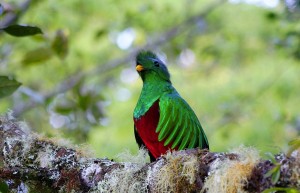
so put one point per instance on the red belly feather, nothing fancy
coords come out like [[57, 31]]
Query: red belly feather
[[146, 126]]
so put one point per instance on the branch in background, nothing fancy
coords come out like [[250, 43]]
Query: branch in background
[[75, 78], [12, 16], [62, 87], [159, 40], [43, 164]]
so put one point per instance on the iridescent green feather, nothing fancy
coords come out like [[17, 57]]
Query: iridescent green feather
[[178, 123], [175, 131]]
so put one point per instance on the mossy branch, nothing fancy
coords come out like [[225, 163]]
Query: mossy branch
[[39, 164]]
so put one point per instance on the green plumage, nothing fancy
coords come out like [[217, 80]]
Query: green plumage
[[178, 122], [178, 125]]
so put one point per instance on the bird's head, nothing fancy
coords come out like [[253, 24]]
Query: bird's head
[[148, 65]]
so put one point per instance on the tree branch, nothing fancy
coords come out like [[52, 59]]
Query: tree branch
[[41, 163], [12, 17]]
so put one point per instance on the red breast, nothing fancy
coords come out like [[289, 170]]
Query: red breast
[[146, 126]]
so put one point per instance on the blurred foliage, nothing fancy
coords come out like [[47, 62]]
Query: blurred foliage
[[3, 187], [276, 189], [7, 86], [293, 145], [22, 30], [274, 173], [238, 67]]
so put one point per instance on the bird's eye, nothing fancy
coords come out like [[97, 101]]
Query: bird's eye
[[156, 63]]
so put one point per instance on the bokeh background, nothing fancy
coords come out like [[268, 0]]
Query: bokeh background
[[235, 62]]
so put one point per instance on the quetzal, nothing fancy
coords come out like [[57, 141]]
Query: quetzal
[[162, 119]]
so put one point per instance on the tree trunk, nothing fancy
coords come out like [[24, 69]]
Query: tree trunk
[[31, 163]]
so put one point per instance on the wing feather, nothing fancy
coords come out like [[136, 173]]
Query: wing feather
[[178, 124], [185, 141], [174, 132], [165, 131], [194, 138], [178, 138]]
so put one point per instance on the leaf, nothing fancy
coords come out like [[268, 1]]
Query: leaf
[[60, 44], [96, 111], [22, 30], [271, 157], [275, 189], [294, 142], [37, 55], [84, 101], [291, 190], [100, 33], [270, 172], [3, 187], [65, 107], [293, 145], [8, 86], [274, 173], [272, 16]]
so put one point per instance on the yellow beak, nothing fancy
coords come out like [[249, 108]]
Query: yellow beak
[[139, 68]]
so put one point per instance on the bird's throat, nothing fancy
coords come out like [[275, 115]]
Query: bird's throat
[[151, 92]]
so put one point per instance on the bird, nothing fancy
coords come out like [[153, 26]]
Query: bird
[[163, 120]]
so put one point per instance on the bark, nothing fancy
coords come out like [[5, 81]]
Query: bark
[[36, 164]]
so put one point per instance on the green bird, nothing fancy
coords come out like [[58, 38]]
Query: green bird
[[163, 120]]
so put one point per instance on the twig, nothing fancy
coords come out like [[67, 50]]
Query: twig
[[12, 17]]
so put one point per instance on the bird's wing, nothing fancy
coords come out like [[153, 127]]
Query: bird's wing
[[178, 124]]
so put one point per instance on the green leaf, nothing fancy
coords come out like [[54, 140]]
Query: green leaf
[[37, 55], [272, 16], [287, 190], [65, 108], [294, 144], [270, 172], [84, 101], [22, 30], [271, 157], [96, 111], [274, 173], [3, 187], [8, 86], [100, 33], [60, 44]]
